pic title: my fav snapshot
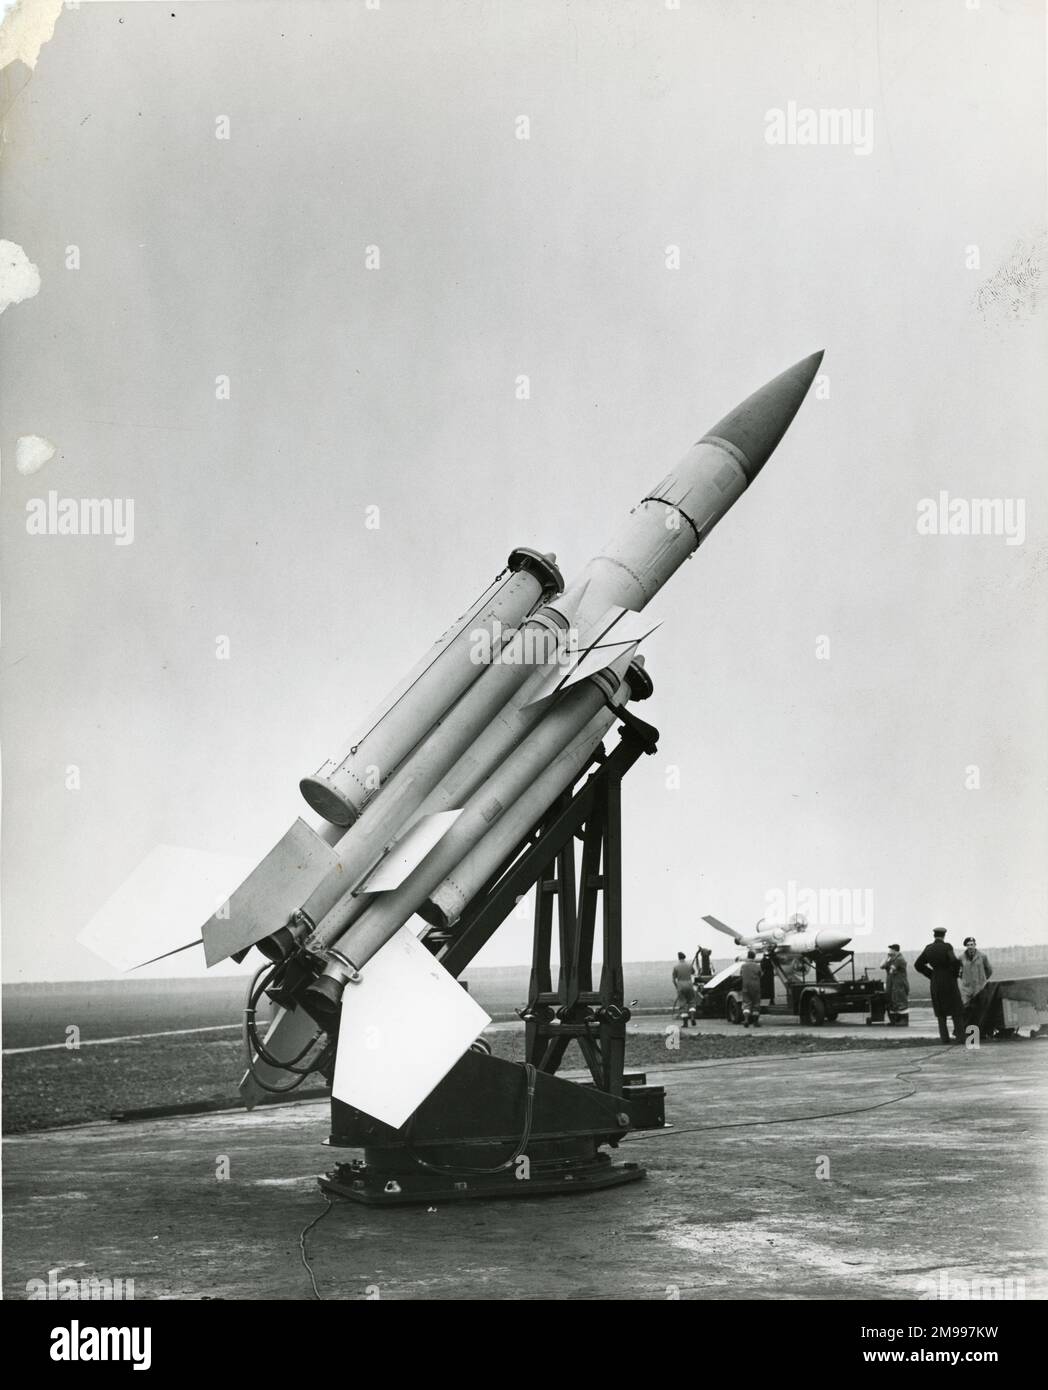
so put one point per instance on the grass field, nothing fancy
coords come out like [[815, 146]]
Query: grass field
[[39, 1015], [43, 1090]]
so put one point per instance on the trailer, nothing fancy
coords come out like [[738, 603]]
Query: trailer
[[813, 988]]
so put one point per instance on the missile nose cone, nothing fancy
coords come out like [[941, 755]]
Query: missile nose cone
[[756, 426], [830, 940]]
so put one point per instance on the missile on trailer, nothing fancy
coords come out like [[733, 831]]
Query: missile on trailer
[[802, 943]]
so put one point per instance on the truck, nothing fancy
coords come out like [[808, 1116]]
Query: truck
[[815, 988]]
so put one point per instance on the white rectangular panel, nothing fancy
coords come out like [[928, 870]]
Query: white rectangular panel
[[403, 1027]]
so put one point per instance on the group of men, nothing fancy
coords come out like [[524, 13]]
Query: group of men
[[956, 982]]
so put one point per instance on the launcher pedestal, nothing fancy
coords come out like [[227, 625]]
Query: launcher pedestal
[[494, 1128]]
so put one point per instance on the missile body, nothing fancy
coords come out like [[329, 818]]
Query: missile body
[[344, 784], [379, 917], [814, 939], [672, 520]]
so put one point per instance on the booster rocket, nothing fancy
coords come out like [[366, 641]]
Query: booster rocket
[[500, 716]]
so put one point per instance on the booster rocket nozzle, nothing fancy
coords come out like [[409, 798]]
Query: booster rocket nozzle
[[323, 998], [756, 426], [542, 565], [278, 946], [641, 685]]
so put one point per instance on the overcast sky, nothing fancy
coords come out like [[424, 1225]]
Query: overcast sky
[[913, 255]]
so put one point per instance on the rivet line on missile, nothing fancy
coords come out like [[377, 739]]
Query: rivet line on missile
[[680, 512]]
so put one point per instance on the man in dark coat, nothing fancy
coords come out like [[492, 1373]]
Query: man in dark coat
[[939, 964]]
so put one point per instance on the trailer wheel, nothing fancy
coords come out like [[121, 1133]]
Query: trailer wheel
[[733, 1009], [813, 1011]]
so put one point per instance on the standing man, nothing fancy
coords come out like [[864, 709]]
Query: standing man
[[939, 964], [897, 985], [975, 972], [684, 984], [750, 973]]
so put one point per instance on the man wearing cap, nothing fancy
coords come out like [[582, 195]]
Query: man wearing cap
[[897, 985], [939, 964], [975, 972]]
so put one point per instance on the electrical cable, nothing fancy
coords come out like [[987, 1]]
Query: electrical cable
[[787, 1119], [530, 1077], [255, 1050], [302, 1247]]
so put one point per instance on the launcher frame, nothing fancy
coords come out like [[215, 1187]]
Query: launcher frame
[[494, 1128]]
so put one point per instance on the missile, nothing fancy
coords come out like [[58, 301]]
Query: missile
[[663, 530], [796, 938], [802, 943], [456, 760]]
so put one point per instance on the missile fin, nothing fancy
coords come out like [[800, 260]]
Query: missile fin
[[149, 914], [598, 659], [275, 889], [177, 950], [720, 926], [721, 976], [402, 980], [407, 853], [615, 630]]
